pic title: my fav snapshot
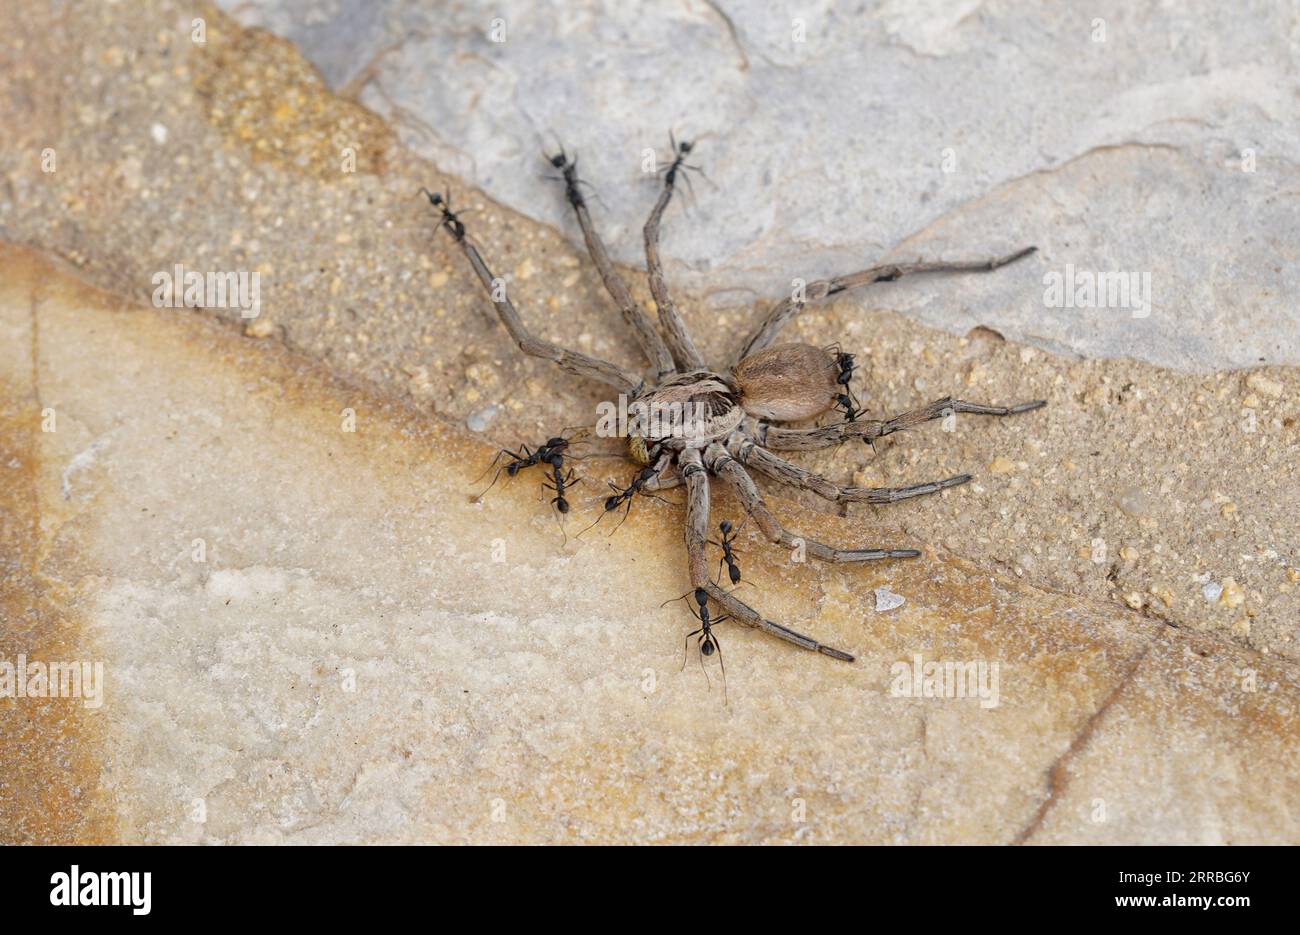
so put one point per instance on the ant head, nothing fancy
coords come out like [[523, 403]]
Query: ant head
[[843, 400], [684, 147], [555, 459], [707, 647], [646, 473], [556, 442], [611, 503], [512, 468], [734, 574], [725, 526], [701, 597], [559, 160], [435, 199]]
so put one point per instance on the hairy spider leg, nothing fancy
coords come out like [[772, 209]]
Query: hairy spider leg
[[574, 362], [766, 330], [652, 344], [680, 344]]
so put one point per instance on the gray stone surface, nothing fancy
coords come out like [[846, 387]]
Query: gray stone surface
[[1112, 138]]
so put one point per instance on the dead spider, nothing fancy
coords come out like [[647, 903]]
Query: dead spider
[[735, 407]]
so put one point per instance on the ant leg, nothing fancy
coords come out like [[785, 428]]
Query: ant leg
[[783, 439], [700, 645], [518, 460], [574, 362], [686, 646], [765, 332], [749, 454], [652, 345], [679, 341], [729, 469], [697, 523], [722, 668], [503, 451]]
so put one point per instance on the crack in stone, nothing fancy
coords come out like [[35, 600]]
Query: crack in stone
[[1057, 780], [1002, 186], [732, 34]]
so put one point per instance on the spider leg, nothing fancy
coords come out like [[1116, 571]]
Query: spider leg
[[783, 439], [651, 343], [765, 332], [574, 362], [664, 480], [679, 341], [697, 533], [750, 454], [728, 468]]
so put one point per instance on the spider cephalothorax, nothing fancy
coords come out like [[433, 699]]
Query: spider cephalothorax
[[686, 410], [689, 422]]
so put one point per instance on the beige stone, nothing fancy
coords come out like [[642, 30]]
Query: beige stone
[[352, 662]]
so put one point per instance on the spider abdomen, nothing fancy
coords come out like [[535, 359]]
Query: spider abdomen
[[788, 382]]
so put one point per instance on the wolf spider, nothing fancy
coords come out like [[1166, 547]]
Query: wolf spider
[[763, 384]]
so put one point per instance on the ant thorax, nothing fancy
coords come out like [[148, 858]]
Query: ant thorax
[[687, 410]]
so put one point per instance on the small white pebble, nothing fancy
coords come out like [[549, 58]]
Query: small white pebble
[[159, 133], [887, 600], [479, 421], [1211, 591], [260, 327]]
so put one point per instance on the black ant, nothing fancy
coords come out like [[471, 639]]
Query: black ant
[[526, 458], [845, 401], [729, 534], [569, 175], [559, 481], [706, 642], [845, 362], [680, 152], [449, 219], [622, 496]]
